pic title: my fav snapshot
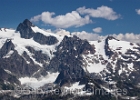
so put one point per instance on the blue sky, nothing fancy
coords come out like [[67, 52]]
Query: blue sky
[[93, 16]]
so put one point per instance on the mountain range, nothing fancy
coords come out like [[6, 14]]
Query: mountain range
[[32, 58]]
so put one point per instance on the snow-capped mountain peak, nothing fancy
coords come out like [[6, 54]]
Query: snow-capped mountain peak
[[32, 56]]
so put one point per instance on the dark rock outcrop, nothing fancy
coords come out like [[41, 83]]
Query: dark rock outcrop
[[27, 33], [19, 66], [16, 63], [38, 55], [68, 60], [7, 47], [42, 39], [108, 51], [25, 29], [7, 80]]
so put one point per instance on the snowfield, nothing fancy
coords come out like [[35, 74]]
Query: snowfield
[[21, 43], [36, 83]]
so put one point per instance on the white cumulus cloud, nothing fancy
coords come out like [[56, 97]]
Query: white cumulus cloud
[[86, 35], [62, 21], [130, 37], [101, 12], [61, 32], [138, 11], [97, 30]]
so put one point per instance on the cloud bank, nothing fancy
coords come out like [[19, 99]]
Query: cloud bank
[[130, 37], [86, 35]]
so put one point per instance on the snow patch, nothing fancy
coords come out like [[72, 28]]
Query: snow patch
[[91, 66], [120, 71], [8, 54], [114, 45], [36, 83], [75, 86], [130, 67], [99, 48], [7, 71]]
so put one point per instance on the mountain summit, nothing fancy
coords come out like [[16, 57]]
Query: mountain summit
[[32, 57], [27, 23], [25, 29], [28, 30]]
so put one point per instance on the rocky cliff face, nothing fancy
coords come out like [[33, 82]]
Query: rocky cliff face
[[68, 60], [7, 47], [17, 64], [25, 29], [26, 32], [35, 58]]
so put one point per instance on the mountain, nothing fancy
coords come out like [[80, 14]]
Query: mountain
[[34, 59]]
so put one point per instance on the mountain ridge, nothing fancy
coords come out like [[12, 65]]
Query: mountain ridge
[[33, 57]]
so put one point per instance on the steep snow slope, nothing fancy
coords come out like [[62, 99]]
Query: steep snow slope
[[99, 47], [90, 59], [37, 29], [121, 46], [97, 62], [21, 43]]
